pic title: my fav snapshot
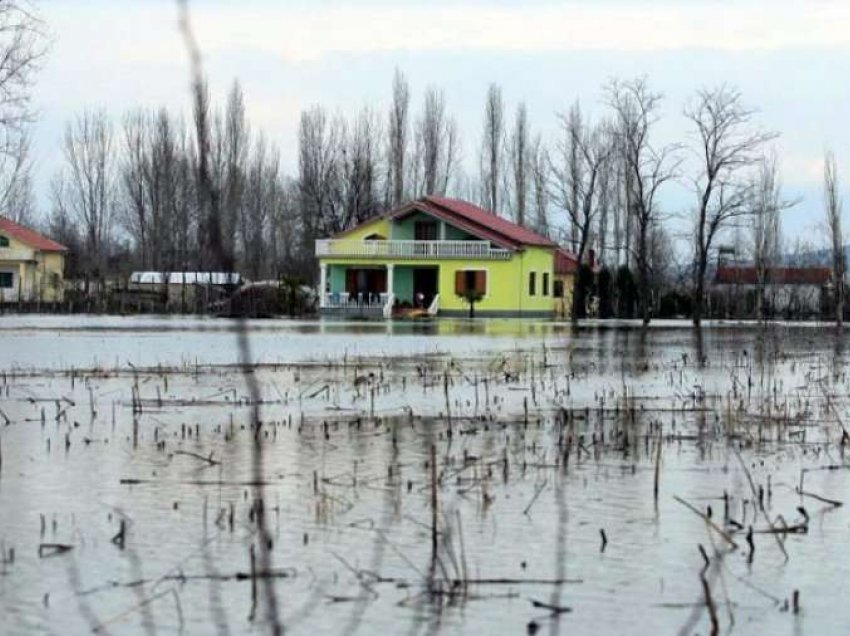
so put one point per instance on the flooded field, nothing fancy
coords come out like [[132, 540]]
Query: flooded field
[[487, 477]]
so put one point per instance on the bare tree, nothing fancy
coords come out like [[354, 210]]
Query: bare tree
[[18, 200], [234, 140], [765, 208], [451, 154], [520, 164], [647, 169], [211, 254], [582, 155], [259, 202], [317, 175], [435, 148], [134, 201], [573, 126], [154, 193], [398, 136], [359, 168], [184, 208], [834, 206], [539, 169], [62, 225], [22, 50], [492, 147], [726, 148], [288, 255], [607, 195], [621, 193], [89, 181], [164, 177]]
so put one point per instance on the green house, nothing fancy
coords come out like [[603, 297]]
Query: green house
[[432, 255]]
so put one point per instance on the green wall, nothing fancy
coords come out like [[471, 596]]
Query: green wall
[[336, 275], [403, 283], [404, 230], [455, 234]]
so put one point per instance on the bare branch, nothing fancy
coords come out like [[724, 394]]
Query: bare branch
[[726, 146]]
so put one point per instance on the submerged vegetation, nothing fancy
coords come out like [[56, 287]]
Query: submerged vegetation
[[533, 484]]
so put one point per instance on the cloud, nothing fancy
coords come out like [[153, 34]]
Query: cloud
[[298, 35]]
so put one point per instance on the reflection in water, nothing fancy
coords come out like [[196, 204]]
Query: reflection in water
[[556, 432], [699, 347]]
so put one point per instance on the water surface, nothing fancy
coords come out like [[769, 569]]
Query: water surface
[[545, 434]]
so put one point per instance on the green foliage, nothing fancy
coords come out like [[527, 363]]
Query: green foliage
[[675, 304], [605, 290], [585, 287]]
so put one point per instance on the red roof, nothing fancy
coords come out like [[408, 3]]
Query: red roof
[[471, 219], [774, 275], [565, 262], [511, 232], [29, 237]]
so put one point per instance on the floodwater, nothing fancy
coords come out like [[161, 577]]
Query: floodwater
[[546, 438]]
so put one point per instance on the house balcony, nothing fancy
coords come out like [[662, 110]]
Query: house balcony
[[342, 248]]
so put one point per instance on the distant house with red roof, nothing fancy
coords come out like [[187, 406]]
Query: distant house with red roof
[[566, 272], [31, 265], [797, 291], [434, 254]]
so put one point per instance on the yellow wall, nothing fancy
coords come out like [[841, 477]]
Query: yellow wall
[[507, 280], [564, 306], [50, 279], [17, 246], [40, 273], [378, 225]]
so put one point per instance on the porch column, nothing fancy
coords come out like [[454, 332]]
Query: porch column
[[323, 284], [390, 268]]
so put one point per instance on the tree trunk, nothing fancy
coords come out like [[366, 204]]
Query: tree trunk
[[644, 293], [699, 297], [577, 297]]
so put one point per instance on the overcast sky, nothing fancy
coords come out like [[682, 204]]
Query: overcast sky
[[790, 59]]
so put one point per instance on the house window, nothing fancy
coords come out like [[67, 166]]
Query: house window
[[532, 283], [4, 241], [545, 283], [470, 280], [425, 231], [7, 280], [558, 288]]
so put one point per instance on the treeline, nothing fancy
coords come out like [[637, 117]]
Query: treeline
[[128, 196]]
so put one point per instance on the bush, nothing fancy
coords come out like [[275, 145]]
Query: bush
[[604, 288], [585, 288], [626, 293], [675, 304]]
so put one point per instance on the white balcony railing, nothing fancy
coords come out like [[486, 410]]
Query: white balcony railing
[[344, 299], [409, 249]]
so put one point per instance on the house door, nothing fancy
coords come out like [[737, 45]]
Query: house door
[[425, 282]]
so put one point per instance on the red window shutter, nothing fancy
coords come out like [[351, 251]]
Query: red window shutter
[[481, 282], [460, 282]]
